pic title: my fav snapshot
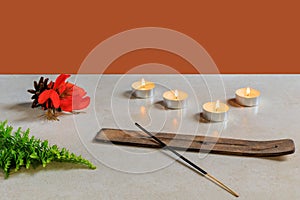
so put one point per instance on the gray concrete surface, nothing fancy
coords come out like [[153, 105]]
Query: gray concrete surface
[[140, 173]]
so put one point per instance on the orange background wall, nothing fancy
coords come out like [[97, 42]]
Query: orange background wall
[[241, 36]]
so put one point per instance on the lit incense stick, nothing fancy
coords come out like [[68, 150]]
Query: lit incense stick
[[203, 172]]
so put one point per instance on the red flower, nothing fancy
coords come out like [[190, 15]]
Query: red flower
[[64, 95], [73, 98], [49, 95]]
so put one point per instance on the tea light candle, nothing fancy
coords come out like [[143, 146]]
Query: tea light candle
[[175, 99], [215, 111], [143, 89], [247, 96]]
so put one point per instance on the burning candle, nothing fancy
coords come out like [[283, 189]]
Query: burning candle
[[143, 89], [247, 96], [175, 99], [215, 111]]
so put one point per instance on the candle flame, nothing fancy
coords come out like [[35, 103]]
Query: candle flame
[[176, 93], [248, 91], [143, 83], [217, 106]]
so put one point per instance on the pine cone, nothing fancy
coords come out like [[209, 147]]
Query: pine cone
[[39, 87]]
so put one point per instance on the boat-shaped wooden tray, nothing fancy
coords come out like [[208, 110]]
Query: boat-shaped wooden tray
[[194, 143]]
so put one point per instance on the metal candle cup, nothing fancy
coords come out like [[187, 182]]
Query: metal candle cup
[[143, 89], [247, 97], [175, 99], [215, 111]]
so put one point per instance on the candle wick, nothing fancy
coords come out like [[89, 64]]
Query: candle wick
[[217, 106], [248, 91], [143, 83], [176, 94]]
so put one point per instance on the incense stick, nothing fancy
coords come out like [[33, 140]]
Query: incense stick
[[203, 172]]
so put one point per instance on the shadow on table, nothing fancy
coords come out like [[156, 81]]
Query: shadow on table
[[160, 105], [277, 158], [53, 166], [129, 95], [24, 112], [232, 102], [200, 118]]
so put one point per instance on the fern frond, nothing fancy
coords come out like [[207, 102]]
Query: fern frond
[[19, 150]]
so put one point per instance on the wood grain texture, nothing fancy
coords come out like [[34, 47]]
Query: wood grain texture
[[194, 143]]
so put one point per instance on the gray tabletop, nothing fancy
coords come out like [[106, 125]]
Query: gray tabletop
[[140, 173]]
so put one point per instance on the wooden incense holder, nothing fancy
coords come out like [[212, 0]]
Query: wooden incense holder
[[194, 143]]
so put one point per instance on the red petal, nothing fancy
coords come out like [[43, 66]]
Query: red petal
[[49, 94], [78, 91], [44, 96], [69, 89], [66, 104], [73, 98], [70, 103], [60, 80], [55, 99], [50, 85], [61, 88], [80, 103]]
